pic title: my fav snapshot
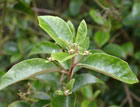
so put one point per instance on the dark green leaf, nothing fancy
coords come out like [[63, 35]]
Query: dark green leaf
[[115, 50], [50, 79], [19, 104], [84, 79], [63, 101], [26, 69], [110, 66], [40, 103], [44, 47]]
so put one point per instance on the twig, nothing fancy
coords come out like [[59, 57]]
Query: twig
[[123, 102], [128, 96], [134, 96]]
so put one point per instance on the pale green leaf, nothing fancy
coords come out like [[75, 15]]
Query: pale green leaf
[[101, 38], [128, 48], [71, 83], [81, 33], [72, 29], [56, 28], [26, 69], [111, 66], [62, 56], [96, 16], [44, 48]]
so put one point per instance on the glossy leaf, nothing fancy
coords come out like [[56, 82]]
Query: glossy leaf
[[81, 33], [96, 16], [61, 56], [128, 48], [26, 69], [115, 50], [44, 48], [84, 79], [110, 66], [101, 38], [19, 104], [41, 96], [63, 101], [56, 28]]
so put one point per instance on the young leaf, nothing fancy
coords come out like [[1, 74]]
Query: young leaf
[[110, 66], [97, 17], [72, 29], [101, 38], [19, 104], [81, 33], [56, 28], [44, 48], [26, 69], [115, 50], [128, 48], [85, 44], [61, 56], [70, 84], [84, 79], [63, 101]]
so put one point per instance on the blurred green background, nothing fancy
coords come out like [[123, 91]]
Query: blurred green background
[[113, 26]]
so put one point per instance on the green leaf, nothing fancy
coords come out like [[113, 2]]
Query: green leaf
[[81, 33], [27, 69], [110, 66], [101, 38], [128, 48], [136, 9], [84, 79], [40, 95], [72, 29], [96, 16], [50, 79], [40, 103], [137, 56], [71, 83], [56, 28], [87, 91], [85, 44], [44, 48], [61, 56], [19, 104], [96, 51], [63, 101], [115, 50]]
